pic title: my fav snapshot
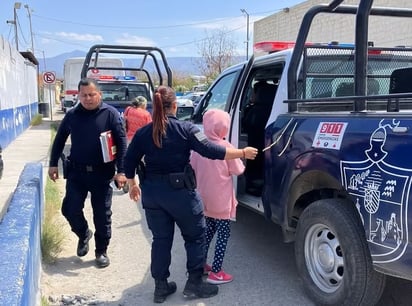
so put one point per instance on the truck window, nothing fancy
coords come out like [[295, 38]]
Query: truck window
[[123, 92], [217, 96], [328, 73]]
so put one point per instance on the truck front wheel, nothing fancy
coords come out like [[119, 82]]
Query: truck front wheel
[[333, 258]]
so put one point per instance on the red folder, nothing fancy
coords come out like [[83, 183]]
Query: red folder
[[108, 146]]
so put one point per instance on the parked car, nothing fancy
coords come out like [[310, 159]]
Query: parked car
[[190, 99]]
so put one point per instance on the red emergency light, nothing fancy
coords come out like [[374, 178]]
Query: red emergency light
[[106, 77], [273, 46]]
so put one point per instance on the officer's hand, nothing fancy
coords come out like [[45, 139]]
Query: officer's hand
[[121, 180], [134, 190], [134, 193], [53, 173], [250, 152]]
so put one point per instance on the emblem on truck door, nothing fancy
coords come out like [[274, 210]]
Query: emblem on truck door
[[381, 193]]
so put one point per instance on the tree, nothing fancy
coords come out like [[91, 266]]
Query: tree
[[217, 52]]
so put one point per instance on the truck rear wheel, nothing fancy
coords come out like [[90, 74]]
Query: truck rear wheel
[[333, 258]]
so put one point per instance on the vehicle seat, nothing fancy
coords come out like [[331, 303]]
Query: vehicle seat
[[400, 81], [254, 125], [345, 89]]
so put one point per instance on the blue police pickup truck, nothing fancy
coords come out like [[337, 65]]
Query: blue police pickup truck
[[333, 125]]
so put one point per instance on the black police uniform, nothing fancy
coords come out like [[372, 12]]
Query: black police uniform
[[164, 199], [86, 171]]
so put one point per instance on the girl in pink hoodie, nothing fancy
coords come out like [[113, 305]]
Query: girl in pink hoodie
[[215, 186]]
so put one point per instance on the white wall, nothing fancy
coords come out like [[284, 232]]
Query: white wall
[[18, 92]]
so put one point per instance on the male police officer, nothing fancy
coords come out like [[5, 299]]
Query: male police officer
[[86, 170]]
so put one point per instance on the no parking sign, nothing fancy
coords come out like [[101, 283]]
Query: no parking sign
[[49, 77]]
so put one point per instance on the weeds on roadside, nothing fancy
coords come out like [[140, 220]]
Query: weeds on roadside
[[44, 301], [52, 236], [37, 119]]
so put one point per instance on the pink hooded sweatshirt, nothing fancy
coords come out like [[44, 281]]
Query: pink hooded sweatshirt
[[214, 177]]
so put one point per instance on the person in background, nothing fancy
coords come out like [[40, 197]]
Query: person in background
[[136, 116], [85, 170], [169, 194], [215, 186]]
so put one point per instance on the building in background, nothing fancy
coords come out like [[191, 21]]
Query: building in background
[[284, 25]]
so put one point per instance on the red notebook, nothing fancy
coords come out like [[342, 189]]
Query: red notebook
[[108, 146]]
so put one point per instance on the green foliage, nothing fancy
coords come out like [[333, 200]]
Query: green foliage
[[37, 119], [44, 301], [52, 236]]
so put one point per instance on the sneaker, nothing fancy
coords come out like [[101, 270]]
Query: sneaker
[[206, 269], [199, 289], [102, 260], [83, 244], [220, 277]]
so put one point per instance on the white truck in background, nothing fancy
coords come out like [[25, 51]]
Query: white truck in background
[[71, 76]]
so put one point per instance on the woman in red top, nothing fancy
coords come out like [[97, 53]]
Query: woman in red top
[[136, 116]]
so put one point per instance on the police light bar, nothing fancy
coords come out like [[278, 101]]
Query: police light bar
[[117, 77], [275, 46]]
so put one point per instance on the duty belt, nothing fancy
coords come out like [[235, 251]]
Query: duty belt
[[90, 168]]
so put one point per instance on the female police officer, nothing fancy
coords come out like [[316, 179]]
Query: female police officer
[[168, 191]]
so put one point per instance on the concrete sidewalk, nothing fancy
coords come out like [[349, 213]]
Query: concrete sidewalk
[[33, 145]]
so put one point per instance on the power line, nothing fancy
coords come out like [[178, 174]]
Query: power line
[[20, 30], [134, 27]]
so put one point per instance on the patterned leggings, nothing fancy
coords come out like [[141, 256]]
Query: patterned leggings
[[222, 227]]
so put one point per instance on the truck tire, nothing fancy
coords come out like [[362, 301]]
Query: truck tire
[[333, 258]]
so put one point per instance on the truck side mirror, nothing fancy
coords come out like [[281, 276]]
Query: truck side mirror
[[185, 112]]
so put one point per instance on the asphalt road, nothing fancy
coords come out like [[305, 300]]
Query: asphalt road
[[262, 264]]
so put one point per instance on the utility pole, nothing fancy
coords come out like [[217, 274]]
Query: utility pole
[[17, 6], [247, 32], [31, 29]]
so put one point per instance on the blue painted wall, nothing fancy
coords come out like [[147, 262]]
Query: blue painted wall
[[15, 121], [20, 234]]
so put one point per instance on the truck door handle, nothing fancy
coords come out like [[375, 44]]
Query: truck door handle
[[280, 136], [289, 140]]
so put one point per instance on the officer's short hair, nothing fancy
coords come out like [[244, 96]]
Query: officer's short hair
[[88, 82]]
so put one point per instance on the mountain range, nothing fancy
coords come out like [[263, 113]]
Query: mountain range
[[179, 65]]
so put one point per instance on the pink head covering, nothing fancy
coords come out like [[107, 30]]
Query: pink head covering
[[216, 124]]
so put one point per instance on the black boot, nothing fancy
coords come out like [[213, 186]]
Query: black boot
[[163, 289], [196, 288]]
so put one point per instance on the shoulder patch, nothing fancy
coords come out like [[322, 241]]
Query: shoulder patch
[[201, 136]]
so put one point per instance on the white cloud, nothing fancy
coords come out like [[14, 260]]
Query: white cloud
[[127, 39], [79, 37], [237, 24]]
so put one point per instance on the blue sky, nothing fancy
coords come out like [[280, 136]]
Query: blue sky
[[177, 28]]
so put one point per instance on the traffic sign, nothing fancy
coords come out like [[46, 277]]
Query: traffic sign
[[49, 77]]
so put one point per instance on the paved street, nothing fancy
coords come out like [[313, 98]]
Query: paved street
[[262, 265]]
